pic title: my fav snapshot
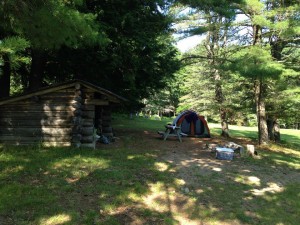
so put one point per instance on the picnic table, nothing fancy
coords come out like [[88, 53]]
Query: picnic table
[[172, 131]]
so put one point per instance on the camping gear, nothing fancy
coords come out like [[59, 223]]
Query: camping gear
[[192, 124], [224, 153], [238, 149]]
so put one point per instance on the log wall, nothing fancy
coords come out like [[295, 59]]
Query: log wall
[[65, 117], [43, 119], [104, 120], [88, 118]]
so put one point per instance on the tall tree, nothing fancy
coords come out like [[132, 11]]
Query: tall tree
[[11, 58], [217, 36], [273, 23], [138, 60], [283, 36], [256, 63], [213, 20], [271, 29], [48, 25], [5, 76]]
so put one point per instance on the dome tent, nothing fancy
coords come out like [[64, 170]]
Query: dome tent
[[192, 124]]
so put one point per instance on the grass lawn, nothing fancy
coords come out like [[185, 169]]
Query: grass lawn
[[139, 180]]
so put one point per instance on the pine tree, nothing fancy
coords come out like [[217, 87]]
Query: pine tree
[[47, 25], [214, 22]]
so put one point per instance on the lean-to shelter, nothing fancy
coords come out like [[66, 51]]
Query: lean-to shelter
[[65, 114]]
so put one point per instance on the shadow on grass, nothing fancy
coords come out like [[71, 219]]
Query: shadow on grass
[[240, 192], [291, 141], [132, 183], [288, 160], [220, 203], [72, 186], [237, 134]]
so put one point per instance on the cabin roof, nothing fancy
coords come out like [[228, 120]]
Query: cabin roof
[[112, 97]]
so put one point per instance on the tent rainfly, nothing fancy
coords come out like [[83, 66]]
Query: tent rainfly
[[192, 124]]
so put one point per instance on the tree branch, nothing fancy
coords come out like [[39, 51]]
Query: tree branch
[[203, 57]]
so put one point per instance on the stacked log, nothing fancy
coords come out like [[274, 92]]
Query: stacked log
[[77, 117], [251, 151], [45, 119], [63, 117], [88, 117]]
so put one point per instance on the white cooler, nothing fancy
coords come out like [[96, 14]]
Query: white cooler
[[224, 153]]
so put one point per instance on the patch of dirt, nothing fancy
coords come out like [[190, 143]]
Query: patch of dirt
[[193, 153], [190, 160]]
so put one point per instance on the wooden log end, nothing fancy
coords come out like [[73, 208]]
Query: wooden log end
[[77, 86], [251, 151]]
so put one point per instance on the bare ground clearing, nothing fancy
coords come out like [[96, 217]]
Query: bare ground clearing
[[199, 175]]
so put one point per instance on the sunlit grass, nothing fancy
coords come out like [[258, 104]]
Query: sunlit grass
[[288, 136], [57, 219], [130, 183], [50, 182]]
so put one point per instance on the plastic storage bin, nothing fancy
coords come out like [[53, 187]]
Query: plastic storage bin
[[224, 153]]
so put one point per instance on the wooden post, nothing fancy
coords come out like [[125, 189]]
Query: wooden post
[[77, 117], [251, 150]]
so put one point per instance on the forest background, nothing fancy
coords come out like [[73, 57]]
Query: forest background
[[245, 71]]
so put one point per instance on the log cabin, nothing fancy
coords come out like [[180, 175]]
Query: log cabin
[[66, 114]]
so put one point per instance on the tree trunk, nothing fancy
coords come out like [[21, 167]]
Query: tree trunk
[[224, 123], [37, 69], [273, 129], [23, 70], [220, 100], [276, 131], [261, 113], [259, 99], [270, 125], [5, 77], [213, 40]]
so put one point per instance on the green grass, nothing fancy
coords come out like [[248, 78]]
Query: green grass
[[140, 123], [71, 186], [109, 185]]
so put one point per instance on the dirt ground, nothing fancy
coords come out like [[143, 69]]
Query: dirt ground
[[190, 153], [193, 152], [192, 158]]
